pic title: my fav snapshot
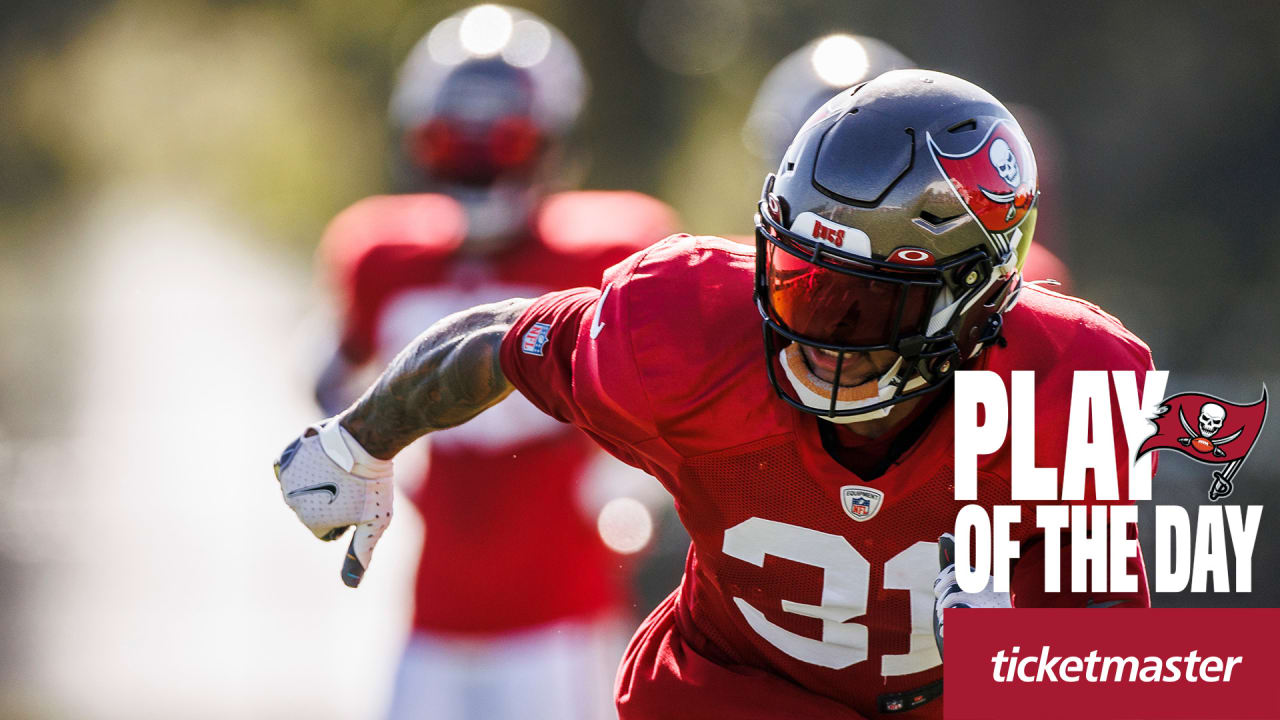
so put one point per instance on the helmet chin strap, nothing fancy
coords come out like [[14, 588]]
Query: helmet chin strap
[[815, 392]]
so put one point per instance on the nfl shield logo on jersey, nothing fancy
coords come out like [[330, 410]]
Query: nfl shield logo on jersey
[[535, 338], [860, 502]]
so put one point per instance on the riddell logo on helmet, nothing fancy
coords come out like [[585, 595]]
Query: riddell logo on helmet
[[832, 235]]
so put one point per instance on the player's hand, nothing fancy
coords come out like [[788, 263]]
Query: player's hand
[[947, 592], [332, 483]]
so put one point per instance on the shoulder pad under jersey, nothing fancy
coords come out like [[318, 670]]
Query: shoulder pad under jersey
[[424, 221], [592, 221]]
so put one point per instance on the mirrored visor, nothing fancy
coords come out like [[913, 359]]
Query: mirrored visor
[[476, 154], [845, 303]]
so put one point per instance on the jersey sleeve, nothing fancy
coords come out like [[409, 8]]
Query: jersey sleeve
[[571, 355], [537, 352]]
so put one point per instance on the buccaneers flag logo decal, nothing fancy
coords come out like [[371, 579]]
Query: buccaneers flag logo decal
[[996, 179], [1210, 430]]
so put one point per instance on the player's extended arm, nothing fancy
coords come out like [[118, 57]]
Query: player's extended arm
[[338, 472], [445, 377]]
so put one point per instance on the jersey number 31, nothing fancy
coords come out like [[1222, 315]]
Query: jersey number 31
[[846, 580]]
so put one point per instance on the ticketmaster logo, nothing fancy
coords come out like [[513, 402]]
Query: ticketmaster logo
[[1095, 669]]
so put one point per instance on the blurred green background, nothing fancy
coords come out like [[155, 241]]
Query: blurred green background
[[166, 167], [1167, 115]]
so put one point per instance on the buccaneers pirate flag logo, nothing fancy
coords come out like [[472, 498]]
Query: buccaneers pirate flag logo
[[1210, 430], [995, 179]]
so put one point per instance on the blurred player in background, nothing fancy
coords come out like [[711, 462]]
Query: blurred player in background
[[517, 596], [798, 85], [802, 81]]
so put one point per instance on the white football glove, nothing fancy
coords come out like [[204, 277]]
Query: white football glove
[[947, 592], [332, 483]]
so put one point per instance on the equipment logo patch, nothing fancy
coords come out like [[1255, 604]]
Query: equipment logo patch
[[535, 338], [860, 502]]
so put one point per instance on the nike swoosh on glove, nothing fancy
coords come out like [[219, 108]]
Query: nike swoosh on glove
[[332, 483], [947, 592]]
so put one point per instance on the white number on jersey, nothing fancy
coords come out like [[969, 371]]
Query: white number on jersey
[[846, 582]]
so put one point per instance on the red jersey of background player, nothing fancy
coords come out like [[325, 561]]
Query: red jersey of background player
[[784, 586], [397, 266]]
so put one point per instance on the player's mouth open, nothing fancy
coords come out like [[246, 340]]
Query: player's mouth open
[[857, 368]]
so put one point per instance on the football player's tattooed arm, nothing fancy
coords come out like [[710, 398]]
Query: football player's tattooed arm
[[446, 376]]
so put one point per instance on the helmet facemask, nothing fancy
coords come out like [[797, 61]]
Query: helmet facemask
[[813, 294]]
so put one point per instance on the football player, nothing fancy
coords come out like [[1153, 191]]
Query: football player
[[798, 85], [810, 462], [517, 597], [805, 80]]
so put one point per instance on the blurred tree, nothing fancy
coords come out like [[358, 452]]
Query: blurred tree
[[276, 108]]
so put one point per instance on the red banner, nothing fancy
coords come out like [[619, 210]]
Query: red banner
[[1207, 428], [1111, 663]]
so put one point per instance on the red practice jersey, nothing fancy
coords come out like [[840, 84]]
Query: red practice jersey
[[507, 544], [664, 367]]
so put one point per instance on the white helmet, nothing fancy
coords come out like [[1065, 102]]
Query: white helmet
[[481, 107]]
